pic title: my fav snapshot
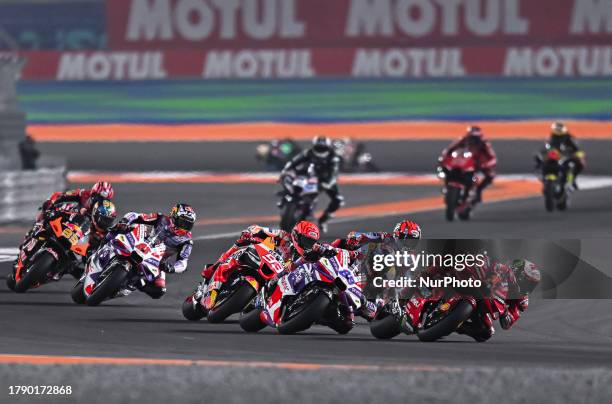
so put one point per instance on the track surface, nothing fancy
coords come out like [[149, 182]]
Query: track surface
[[552, 335]]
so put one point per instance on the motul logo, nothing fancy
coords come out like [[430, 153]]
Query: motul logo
[[111, 66]]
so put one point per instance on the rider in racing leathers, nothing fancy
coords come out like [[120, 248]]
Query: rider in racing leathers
[[326, 165], [85, 198], [355, 241], [175, 231], [561, 139], [510, 285], [216, 274], [483, 152]]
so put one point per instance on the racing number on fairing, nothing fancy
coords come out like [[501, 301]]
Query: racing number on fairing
[[272, 262], [70, 235]]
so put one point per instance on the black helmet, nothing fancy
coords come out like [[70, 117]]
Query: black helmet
[[183, 217], [321, 146], [103, 215], [527, 275]]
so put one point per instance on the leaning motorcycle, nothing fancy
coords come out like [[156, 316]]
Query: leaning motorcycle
[[56, 247], [323, 292], [253, 267], [298, 198], [458, 171], [121, 265]]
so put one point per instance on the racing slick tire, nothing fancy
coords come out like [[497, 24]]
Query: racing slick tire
[[448, 324], [549, 196], [36, 272], [288, 216], [10, 281], [78, 294], [251, 321], [233, 304], [385, 328], [109, 286], [193, 311], [451, 200], [307, 316]]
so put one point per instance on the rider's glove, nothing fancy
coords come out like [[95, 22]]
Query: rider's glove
[[523, 304]]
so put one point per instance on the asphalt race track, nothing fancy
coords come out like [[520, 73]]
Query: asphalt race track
[[560, 349]]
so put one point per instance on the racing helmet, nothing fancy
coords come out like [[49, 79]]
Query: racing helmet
[[103, 215], [527, 275], [558, 129], [183, 217], [474, 135], [321, 146], [102, 190], [304, 236], [407, 229]]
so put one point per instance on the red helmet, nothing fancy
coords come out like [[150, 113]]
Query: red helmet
[[102, 190], [407, 230], [304, 236]]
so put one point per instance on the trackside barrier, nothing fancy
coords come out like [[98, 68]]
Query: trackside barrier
[[22, 192]]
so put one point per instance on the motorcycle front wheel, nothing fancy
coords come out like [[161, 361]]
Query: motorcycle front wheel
[[448, 324], [108, 287], [251, 321], [385, 328], [549, 195], [307, 316], [36, 272], [235, 303], [451, 200], [193, 311], [78, 294]]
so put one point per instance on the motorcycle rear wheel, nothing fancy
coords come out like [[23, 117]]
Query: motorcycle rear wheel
[[109, 286], [447, 325], [36, 272], [233, 304], [305, 318]]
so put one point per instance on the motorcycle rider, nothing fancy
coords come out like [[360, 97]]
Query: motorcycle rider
[[85, 198], [405, 229], [175, 231], [509, 284], [216, 274], [102, 217], [562, 140], [483, 152], [326, 165]]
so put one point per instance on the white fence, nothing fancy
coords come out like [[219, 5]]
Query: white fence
[[22, 192]]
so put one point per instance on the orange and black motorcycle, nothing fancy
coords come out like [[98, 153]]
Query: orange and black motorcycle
[[57, 246]]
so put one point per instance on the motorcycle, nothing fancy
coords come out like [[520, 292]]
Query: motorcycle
[[57, 246], [458, 172], [122, 264], [254, 266], [557, 176], [276, 153], [323, 292], [354, 156], [298, 197]]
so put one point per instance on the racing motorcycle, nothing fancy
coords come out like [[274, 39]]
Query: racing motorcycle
[[323, 292], [254, 266], [458, 172], [354, 156], [298, 197], [57, 246], [557, 176], [120, 266], [276, 153]]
